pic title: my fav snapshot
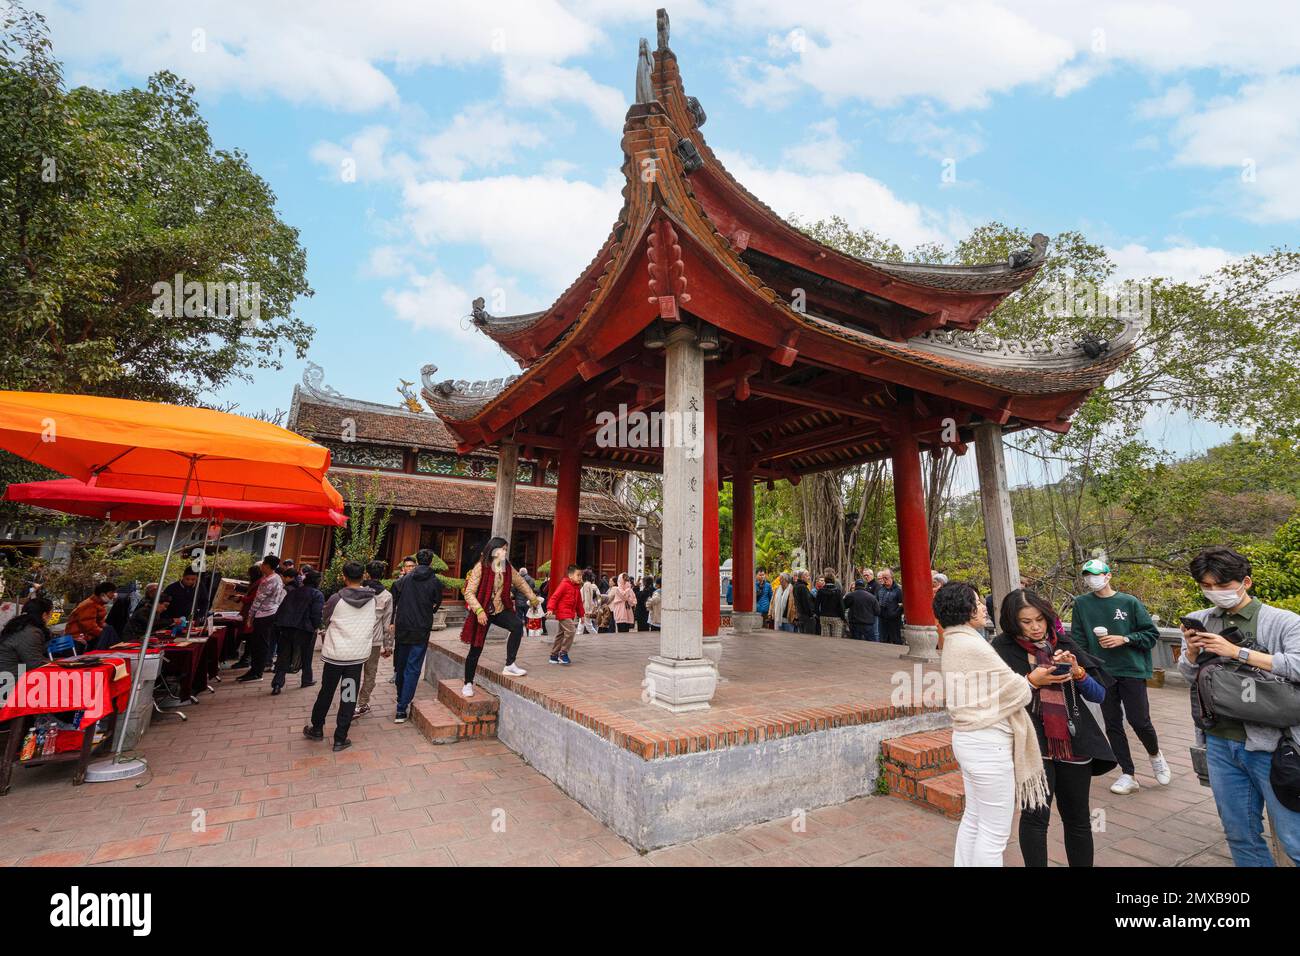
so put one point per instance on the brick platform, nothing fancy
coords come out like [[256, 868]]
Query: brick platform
[[774, 685], [273, 798]]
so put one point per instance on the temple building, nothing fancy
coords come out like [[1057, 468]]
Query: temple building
[[776, 357], [441, 499]]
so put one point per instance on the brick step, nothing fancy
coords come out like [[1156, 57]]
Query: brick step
[[920, 756], [482, 706], [945, 793], [440, 725]]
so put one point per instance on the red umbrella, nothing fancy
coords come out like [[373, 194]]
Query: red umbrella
[[71, 496]]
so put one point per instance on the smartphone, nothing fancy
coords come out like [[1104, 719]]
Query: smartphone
[[1064, 667], [1191, 623]]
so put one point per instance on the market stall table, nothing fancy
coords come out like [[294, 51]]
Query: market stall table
[[103, 683]]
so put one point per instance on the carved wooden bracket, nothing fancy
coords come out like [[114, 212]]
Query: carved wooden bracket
[[667, 283]]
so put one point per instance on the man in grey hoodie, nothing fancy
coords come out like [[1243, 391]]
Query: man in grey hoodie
[[349, 622]]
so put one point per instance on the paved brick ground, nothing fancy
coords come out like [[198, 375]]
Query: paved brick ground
[[272, 797]]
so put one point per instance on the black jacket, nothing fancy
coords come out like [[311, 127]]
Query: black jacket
[[862, 606], [804, 605], [300, 609], [1088, 739], [24, 646], [830, 601], [416, 598], [890, 600]]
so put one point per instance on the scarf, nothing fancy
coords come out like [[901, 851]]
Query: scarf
[[472, 632], [985, 692], [1051, 700]]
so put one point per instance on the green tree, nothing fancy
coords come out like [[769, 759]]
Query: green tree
[[104, 195]]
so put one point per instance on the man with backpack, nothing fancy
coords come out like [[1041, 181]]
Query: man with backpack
[[416, 598], [1251, 765]]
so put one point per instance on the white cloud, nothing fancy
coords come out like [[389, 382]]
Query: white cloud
[[821, 151], [923, 130], [1173, 102], [327, 52], [1255, 137], [863, 202], [1182, 263], [546, 84], [548, 227]]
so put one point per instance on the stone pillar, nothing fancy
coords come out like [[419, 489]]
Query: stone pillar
[[503, 509], [995, 499], [680, 678], [914, 551], [710, 583], [743, 616], [568, 492]]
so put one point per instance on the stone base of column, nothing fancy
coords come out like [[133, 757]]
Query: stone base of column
[[922, 642], [680, 686], [744, 622], [713, 648]]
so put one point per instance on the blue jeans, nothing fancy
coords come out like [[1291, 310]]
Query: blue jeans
[[875, 630], [787, 626], [408, 662], [1239, 779]]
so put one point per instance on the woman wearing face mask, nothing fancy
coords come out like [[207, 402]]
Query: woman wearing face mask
[[487, 597], [622, 601], [1117, 629], [1074, 748]]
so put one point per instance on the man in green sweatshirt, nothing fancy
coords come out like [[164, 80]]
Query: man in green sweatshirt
[[1117, 628]]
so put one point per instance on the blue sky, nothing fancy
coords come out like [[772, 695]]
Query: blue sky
[[484, 139]]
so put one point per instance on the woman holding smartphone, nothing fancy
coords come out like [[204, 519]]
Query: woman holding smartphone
[[993, 738], [1074, 748]]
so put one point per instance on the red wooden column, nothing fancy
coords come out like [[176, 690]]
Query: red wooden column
[[742, 538], [564, 543], [913, 532], [710, 582]]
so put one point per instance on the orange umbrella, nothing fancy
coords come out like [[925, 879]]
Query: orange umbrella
[[146, 446]]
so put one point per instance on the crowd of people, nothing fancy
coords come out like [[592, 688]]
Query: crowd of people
[[1039, 707], [1025, 736]]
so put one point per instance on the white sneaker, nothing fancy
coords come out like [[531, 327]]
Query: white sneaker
[[467, 690], [1124, 785], [514, 670], [1160, 767]]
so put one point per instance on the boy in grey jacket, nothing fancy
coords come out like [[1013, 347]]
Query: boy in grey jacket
[[349, 622]]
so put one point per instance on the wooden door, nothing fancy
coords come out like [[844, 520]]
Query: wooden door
[[609, 563]]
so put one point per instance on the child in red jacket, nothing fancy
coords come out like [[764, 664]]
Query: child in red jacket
[[565, 602]]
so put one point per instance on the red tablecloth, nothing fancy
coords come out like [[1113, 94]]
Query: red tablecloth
[[54, 689]]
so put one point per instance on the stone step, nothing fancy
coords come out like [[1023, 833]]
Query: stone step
[[919, 756], [482, 706]]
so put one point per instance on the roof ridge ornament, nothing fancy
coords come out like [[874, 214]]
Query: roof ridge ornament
[[313, 379], [645, 64], [661, 27], [1024, 257]]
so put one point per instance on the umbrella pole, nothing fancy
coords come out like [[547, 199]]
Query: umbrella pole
[[125, 719]]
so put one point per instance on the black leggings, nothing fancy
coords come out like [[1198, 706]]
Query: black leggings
[[508, 621], [1069, 784], [1131, 692]]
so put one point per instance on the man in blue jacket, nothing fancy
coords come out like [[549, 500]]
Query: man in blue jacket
[[762, 594]]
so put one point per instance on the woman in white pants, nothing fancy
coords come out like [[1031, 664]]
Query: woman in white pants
[[993, 738]]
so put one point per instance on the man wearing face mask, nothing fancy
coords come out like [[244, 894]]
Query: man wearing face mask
[[1243, 757], [1117, 628]]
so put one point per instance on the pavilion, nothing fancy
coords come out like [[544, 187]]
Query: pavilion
[[788, 356]]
